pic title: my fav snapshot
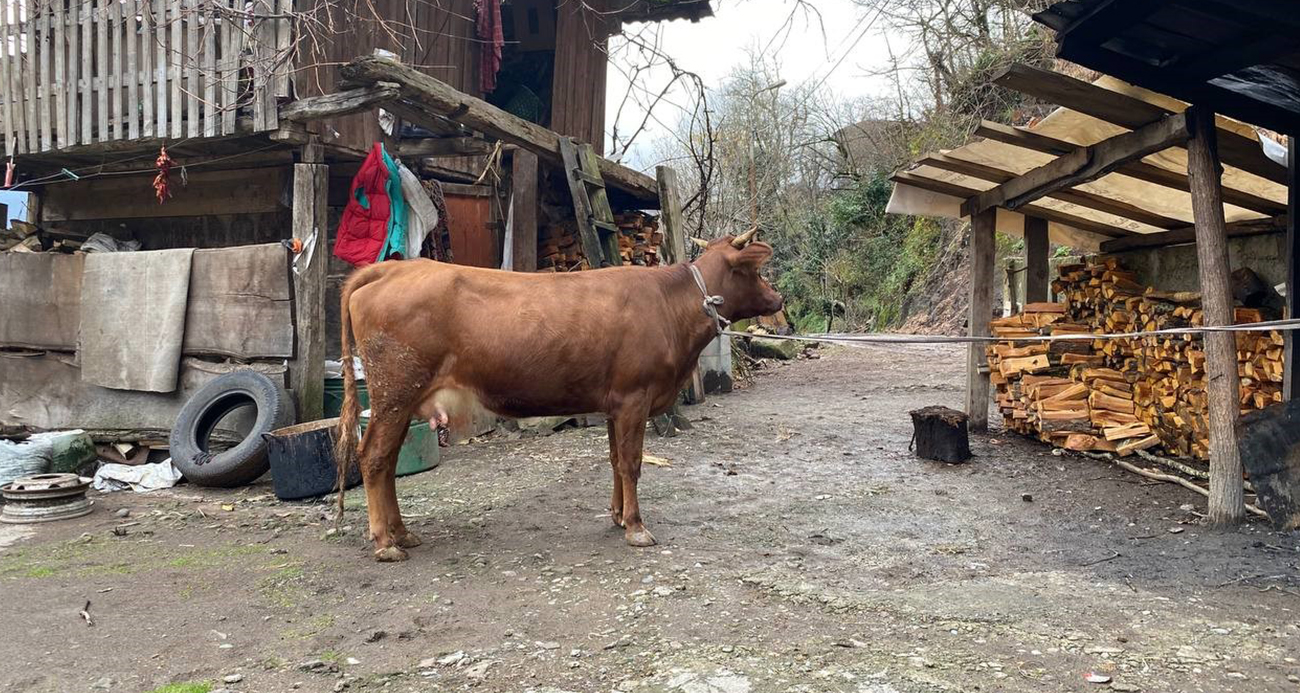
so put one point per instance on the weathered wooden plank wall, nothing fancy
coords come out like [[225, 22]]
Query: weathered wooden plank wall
[[80, 72], [581, 64], [436, 38]]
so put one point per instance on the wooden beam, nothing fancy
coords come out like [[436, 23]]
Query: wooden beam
[[1081, 198], [671, 223], [959, 191], [1036, 251], [339, 103], [440, 98], [523, 211], [444, 146], [1104, 18], [1226, 504], [1027, 139], [1290, 375], [1236, 103], [1082, 165], [1187, 234], [1234, 56], [982, 246], [307, 369], [1129, 112], [673, 227]]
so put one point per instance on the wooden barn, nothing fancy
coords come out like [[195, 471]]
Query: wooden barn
[[227, 134]]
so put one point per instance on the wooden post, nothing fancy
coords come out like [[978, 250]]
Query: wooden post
[[523, 205], [307, 370], [1036, 247], [1226, 505], [982, 245], [674, 251], [670, 216], [1290, 376]]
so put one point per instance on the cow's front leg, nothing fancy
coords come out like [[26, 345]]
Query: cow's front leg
[[380, 446], [629, 429], [616, 500]]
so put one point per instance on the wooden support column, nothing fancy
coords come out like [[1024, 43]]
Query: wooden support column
[[674, 248], [670, 216], [523, 206], [1290, 375], [982, 245], [1036, 247], [1226, 505], [307, 369]]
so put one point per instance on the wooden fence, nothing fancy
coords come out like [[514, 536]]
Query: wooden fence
[[76, 73]]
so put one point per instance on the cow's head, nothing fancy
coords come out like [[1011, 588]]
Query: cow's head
[[736, 275]]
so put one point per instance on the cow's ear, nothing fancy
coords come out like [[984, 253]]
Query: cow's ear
[[754, 255]]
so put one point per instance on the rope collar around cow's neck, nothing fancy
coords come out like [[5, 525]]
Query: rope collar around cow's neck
[[711, 301]]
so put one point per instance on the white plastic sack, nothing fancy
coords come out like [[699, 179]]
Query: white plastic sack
[[421, 214], [334, 369], [140, 478], [25, 458]]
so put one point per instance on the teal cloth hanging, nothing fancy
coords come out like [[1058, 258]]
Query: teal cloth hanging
[[396, 240]]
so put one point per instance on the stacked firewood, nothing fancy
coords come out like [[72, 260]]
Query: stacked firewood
[[559, 247], [638, 238], [1123, 394]]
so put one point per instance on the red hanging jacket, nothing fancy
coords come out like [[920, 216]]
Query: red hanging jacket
[[365, 219]]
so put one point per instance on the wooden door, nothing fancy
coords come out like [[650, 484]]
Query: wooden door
[[473, 241]]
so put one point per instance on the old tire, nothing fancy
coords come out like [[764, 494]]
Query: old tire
[[244, 462]]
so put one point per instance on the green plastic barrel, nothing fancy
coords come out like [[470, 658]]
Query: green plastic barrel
[[419, 452], [334, 396]]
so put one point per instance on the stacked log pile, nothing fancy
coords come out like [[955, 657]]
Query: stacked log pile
[[639, 238], [1126, 394], [559, 248]]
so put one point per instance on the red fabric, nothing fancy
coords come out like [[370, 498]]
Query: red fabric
[[488, 28], [363, 228]]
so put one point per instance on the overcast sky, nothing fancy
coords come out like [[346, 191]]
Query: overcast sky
[[850, 47]]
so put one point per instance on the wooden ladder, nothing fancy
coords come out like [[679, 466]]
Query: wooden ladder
[[596, 227]]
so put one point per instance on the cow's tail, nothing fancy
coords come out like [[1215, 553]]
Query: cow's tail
[[347, 446]]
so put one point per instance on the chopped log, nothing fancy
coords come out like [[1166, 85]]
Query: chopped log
[[1128, 448], [941, 434]]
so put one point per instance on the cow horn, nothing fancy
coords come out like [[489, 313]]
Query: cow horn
[[743, 239], [700, 242]]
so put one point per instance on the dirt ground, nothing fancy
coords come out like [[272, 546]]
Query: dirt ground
[[802, 547]]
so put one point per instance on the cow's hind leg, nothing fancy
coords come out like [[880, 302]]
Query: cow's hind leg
[[383, 439], [616, 500], [629, 429]]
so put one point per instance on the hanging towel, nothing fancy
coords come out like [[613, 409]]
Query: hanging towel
[[132, 338], [395, 240], [421, 214], [364, 226]]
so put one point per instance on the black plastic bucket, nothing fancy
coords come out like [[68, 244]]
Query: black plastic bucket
[[302, 460]]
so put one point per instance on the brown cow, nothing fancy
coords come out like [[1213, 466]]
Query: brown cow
[[436, 339]]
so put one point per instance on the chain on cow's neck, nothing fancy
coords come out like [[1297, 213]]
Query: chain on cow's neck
[[711, 302]]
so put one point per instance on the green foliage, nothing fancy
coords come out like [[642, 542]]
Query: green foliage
[[853, 265]]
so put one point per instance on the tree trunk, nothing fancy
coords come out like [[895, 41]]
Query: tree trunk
[[1226, 505]]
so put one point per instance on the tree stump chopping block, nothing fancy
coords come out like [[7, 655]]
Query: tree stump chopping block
[[940, 433]]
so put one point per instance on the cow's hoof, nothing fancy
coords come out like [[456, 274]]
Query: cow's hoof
[[391, 554], [641, 537], [409, 541]]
